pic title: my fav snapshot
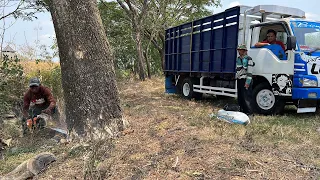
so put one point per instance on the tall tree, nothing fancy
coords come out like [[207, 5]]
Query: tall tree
[[136, 12], [88, 78]]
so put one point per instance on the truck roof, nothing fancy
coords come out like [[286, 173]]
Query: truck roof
[[276, 11], [272, 11]]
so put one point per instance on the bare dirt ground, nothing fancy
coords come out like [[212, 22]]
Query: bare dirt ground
[[174, 138]]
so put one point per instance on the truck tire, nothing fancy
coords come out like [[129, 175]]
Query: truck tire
[[265, 102], [187, 89]]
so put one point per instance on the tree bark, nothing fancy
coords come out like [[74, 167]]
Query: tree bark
[[140, 53], [162, 53], [148, 64], [88, 76]]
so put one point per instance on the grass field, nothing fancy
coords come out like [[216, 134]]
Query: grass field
[[174, 138]]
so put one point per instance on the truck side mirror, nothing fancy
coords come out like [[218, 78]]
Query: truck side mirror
[[291, 42]]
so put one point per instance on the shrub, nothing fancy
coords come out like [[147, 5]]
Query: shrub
[[11, 83]]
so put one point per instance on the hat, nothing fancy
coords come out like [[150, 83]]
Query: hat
[[242, 46], [34, 82]]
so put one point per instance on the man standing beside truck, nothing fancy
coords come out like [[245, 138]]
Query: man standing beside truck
[[244, 80]]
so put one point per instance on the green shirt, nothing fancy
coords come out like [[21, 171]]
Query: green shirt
[[245, 68]]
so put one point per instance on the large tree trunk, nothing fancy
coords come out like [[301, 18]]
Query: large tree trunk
[[88, 76]]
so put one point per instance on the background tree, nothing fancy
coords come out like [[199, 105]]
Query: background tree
[[158, 16], [136, 12], [88, 79], [119, 34]]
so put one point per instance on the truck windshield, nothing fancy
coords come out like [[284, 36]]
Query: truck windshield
[[307, 34]]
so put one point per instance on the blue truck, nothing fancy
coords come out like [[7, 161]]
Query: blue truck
[[200, 57]]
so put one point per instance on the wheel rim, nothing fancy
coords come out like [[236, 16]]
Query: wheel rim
[[186, 89], [265, 99]]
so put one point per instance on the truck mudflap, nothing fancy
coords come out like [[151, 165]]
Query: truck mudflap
[[170, 87], [307, 105]]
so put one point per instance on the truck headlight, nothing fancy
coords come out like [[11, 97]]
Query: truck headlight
[[309, 83]]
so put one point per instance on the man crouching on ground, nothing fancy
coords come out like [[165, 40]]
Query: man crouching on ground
[[38, 99]]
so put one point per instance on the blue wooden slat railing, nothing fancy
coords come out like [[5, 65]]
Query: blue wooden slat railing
[[205, 45]]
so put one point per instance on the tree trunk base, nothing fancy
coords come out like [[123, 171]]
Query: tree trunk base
[[112, 130]]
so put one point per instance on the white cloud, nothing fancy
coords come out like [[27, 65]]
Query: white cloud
[[312, 16], [234, 3]]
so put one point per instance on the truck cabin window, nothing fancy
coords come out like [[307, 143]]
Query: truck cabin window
[[274, 39]]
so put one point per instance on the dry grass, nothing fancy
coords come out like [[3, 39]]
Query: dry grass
[[174, 138], [33, 67]]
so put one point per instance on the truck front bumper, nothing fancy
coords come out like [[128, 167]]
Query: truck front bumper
[[308, 99], [306, 93]]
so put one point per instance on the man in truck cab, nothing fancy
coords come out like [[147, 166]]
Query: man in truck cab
[[244, 80], [38, 99], [271, 39]]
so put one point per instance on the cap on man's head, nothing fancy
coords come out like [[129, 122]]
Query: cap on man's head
[[242, 46], [34, 82]]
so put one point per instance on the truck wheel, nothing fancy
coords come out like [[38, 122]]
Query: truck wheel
[[187, 89], [265, 102]]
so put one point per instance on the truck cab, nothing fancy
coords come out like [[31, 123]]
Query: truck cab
[[200, 57], [292, 73]]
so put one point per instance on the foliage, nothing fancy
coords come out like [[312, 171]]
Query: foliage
[[160, 15], [119, 35], [25, 9], [11, 82]]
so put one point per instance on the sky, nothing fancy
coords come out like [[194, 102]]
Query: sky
[[22, 33]]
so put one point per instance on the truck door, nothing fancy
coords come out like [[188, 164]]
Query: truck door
[[271, 59]]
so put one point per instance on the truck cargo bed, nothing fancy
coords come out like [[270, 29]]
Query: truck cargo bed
[[207, 45]]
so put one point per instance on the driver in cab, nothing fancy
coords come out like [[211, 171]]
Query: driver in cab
[[271, 39]]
